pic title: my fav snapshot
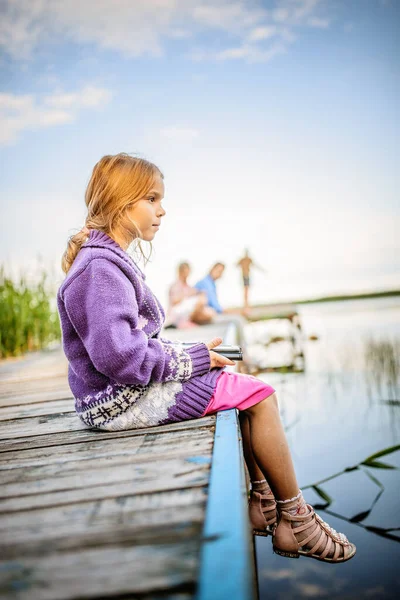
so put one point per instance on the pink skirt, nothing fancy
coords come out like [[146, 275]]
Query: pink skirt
[[235, 390]]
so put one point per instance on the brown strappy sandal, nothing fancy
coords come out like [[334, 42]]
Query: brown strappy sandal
[[262, 513], [309, 535]]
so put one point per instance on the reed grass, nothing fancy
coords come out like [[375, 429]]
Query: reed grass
[[28, 315], [382, 366]]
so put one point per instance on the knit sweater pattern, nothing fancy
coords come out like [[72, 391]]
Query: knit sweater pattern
[[122, 374]]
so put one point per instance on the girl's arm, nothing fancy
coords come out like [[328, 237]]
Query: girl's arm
[[102, 306]]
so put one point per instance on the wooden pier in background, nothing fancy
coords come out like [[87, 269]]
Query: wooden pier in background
[[130, 514]]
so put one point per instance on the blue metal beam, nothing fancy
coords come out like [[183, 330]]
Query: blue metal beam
[[226, 561]]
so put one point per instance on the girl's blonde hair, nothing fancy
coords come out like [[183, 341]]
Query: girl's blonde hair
[[117, 182]]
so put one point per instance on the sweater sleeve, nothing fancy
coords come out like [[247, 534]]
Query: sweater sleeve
[[102, 307]]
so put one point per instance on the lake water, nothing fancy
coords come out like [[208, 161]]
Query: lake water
[[341, 410]]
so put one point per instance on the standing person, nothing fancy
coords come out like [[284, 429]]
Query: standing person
[[123, 375], [187, 305], [207, 285], [245, 265]]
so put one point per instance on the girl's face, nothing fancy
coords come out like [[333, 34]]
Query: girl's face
[[147, 212]]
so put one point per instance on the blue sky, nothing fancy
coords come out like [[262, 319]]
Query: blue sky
[[276, 125]]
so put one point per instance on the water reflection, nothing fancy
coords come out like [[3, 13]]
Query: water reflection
[[341, 414]]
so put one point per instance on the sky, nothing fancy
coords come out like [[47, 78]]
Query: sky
[[275, 123]]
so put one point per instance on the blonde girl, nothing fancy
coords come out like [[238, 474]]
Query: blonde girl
[[124, 375]]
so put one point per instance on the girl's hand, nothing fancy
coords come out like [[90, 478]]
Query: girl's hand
[[217, 360]]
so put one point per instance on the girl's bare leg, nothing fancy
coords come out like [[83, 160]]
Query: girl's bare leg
[[262, 507], [254, 470], [296, 524], [270, 449]]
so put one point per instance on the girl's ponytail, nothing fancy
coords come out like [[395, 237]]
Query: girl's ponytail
[[74, 244]]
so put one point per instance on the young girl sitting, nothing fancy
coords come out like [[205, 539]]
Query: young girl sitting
[[123, 375]]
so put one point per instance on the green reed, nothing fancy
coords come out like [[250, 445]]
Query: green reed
[[28, 315], [382, 363]]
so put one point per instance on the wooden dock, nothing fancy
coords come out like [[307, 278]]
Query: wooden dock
[[131, 514], [272, 311]]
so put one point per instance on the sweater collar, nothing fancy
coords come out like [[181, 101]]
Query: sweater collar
[[99, 239]]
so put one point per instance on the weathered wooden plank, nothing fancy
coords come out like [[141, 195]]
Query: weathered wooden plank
[[170, 594], [205, 333], [167, 515], [45, 363], [114, 473], [192, 450], [58, 393], [40, 425], [88, 435], [107, 512], [140, 480], [149, 444], [171, 527], [35, 383], [13, 389], [100, 572], [38, 409]]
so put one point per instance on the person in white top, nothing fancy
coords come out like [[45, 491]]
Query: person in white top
[[187, 305]]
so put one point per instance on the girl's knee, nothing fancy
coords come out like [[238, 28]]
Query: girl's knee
[[267, 403]]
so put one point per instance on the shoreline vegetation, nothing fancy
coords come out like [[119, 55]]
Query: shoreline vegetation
[[341, 298], [28, 315]]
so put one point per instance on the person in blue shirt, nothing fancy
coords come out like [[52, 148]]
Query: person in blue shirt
[[207, 285]]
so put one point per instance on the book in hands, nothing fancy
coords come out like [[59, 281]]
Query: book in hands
[[229, 351], [232, 352]]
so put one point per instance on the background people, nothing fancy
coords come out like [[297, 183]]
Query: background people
[[245, 264], [208, 286], [187, 305]]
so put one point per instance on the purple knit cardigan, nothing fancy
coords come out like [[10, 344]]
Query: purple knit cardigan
[[122, 374]]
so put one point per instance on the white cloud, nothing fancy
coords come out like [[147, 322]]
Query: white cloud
[[135, 28], [320, 23], [20, 27], [11, 102], [251, 53], [228, 15], [130, 27], [179, 34], [262, 33], [294, 12], [27, 112], [281, 15], [303, 8], [90, 96]]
